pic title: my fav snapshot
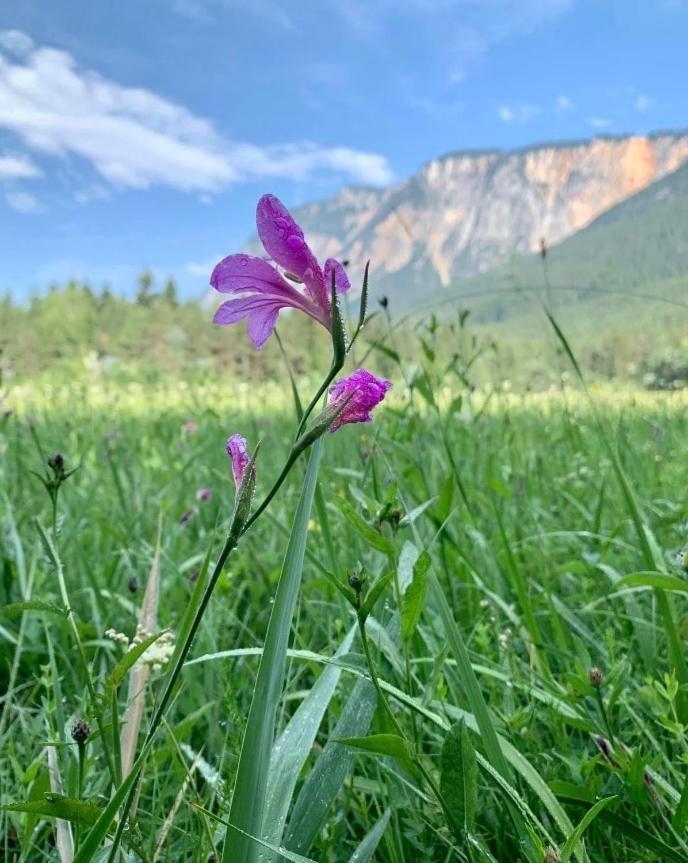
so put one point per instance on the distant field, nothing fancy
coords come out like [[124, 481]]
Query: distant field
[[529, 535]]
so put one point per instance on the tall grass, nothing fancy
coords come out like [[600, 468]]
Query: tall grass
[[458, 571]]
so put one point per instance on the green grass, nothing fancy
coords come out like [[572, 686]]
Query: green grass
[[530, 536]]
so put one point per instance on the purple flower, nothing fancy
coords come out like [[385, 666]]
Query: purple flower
[[190, 427], [358, 394], [259, 288], [237, 450], [204, 494]]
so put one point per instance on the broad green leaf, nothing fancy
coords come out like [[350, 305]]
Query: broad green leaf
[[459, 779]]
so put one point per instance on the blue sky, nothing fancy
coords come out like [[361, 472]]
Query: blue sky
[[141, 133]]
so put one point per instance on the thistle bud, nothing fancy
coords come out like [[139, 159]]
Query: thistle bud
[[80, 732], [595, 677]]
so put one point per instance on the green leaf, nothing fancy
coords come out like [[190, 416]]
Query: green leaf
[[322, 784], [380, 744], [413, 514], [413, 601], [129, 659], [585, 822], [653, 579], [375, 593], [15, 609], [366, 531], [446, 497], [292, 748], [459, 779], [248, 800], [57, 806], [364, 852]]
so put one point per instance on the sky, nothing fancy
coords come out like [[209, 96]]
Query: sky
[[140, 134]]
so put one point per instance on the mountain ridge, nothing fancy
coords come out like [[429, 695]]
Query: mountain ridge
[[464, 212]]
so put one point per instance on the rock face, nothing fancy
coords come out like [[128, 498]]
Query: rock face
[[464, 212]]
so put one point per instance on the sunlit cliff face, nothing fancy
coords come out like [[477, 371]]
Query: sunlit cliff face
[[463, 213]]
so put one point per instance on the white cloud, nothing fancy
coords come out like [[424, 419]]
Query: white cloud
[[564, 103], [23, 202], [135, 138], [517, 113], [598, 122], [642, 102], [16, 42], [18, 168]]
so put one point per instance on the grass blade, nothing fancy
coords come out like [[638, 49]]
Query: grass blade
[[248, 800]]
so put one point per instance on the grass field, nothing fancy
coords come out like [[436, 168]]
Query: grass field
[[517, 543]]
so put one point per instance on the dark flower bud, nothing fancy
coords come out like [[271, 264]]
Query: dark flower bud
[[356, 582], [56, 462], [133, 584], [543, 248], [595, 676], [80, 731], [384, 302]]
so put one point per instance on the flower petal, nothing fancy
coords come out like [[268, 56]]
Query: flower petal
[[341, 280], [283, 239], [354, 398], [238, 273], [261, 323]]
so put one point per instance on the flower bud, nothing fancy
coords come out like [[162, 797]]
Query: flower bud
[[80, 732], [595, 677]]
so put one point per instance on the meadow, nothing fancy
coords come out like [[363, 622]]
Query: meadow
[[490, 614]]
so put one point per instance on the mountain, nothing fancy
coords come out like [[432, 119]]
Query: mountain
[[633, 253], [465, 212]]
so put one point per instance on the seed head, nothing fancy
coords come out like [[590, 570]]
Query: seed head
[[596, 677], [552, 855], [80, 731]]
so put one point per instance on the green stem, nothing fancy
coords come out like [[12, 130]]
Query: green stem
[[605, 715]]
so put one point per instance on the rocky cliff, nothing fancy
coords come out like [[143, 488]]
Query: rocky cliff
[[464, 212]]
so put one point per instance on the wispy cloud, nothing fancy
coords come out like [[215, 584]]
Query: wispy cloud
[[564, 104], [517, 113], [136, 138], [18, 168], [23, 202], [206, 11], [461, 30], [598, 122], [642, 102]]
